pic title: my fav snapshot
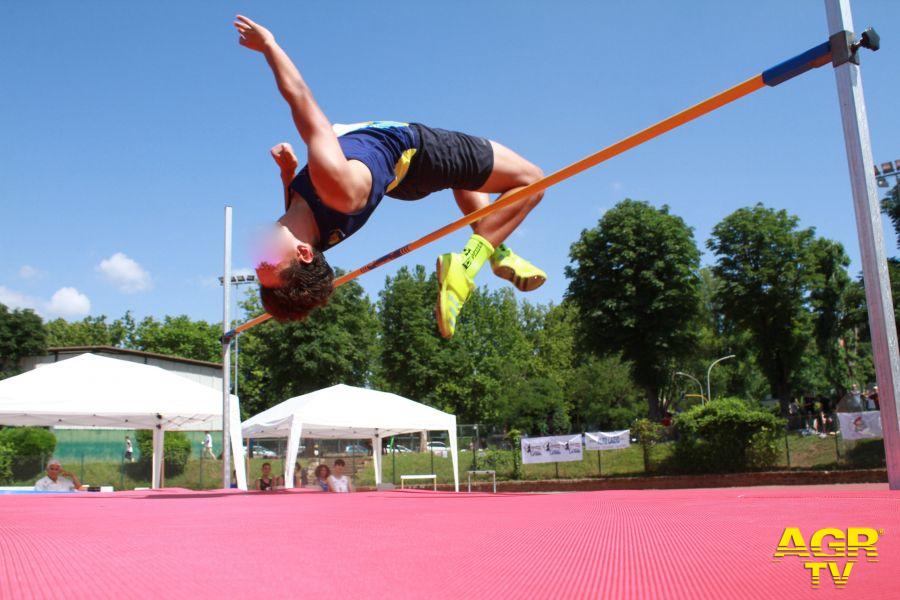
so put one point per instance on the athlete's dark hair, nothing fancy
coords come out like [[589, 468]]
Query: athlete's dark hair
[[305, 286]]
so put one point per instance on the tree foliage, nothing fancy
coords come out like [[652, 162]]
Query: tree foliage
[[763, 264], [336, 344], [634, 279], [726, 435], [179, 336], [92, 331], [21, 334]]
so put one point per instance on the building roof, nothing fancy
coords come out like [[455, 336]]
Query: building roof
[[56, 350]]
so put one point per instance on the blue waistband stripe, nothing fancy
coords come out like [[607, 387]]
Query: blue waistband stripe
[[812, 58]]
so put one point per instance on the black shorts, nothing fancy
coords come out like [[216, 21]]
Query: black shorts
[[445, 160]]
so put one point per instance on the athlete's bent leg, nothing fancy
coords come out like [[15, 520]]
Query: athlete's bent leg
[[456, 272], [505, 263]]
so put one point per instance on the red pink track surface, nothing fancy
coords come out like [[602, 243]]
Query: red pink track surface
[[701, 543]]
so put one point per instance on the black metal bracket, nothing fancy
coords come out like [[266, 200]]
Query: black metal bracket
[[845, 46]]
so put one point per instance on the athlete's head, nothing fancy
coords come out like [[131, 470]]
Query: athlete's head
[[294, 278]]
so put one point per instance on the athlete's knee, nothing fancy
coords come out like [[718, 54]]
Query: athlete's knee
[[532, 173]]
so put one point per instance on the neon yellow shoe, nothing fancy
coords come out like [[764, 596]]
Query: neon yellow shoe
[[455, 287], [508, 265]]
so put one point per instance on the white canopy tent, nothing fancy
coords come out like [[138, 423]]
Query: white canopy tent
[[105, 393], [346, 412]]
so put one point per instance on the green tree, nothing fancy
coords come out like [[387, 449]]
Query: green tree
[[604, 395], [91, 331], [550, 331], [634, 280], [411, 361], [21, 334], [763, 265], [336, 344], [179, 336], [487, 356], [829, 298], [491, 372]]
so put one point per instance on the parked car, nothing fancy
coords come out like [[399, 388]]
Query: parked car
[[261, 452], [396, 448], [356, 449], [439, 448]]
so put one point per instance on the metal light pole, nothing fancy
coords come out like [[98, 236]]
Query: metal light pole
[[709, 370], [887, 170], [699, 385], [871, 237], [226, 358]]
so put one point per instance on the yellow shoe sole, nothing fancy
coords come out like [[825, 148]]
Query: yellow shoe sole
[[523, 284], [438, 309]]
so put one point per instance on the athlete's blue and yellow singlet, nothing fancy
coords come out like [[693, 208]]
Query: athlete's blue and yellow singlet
[[386, 148]]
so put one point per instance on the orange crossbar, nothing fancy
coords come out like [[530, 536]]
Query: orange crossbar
[[710, 104]]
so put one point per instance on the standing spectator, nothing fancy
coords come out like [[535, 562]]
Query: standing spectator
[[667, 419], [872, 399], [793, 414], [807, 414], [129, 449], [207, 446], [322, 474], [57, 480], [265, 482], [338, 482], [300, 478]]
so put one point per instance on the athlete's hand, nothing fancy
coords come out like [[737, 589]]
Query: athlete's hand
[[253, 35], [284, 156]]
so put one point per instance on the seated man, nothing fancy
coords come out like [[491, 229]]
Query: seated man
[[57, 480], [351, 168]]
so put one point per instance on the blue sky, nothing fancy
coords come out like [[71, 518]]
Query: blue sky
[[128, 126]]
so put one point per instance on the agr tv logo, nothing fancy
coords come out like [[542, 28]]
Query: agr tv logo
[[830, 545]]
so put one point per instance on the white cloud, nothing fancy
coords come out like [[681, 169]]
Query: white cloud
[[126, 274], [66, 302], [69, 302], [13, 299], [29, 272]]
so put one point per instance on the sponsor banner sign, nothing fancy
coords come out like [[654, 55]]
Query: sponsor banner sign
[[556, 448], [607, 440], [860, 425]]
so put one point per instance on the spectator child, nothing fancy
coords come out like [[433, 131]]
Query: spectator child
[[338, 482], [266, 482]]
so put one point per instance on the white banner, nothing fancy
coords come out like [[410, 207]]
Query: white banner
[[607, 440], [557, 448], [860, 425]]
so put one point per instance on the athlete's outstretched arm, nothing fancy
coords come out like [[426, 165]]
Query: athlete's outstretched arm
[[328, 166]]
